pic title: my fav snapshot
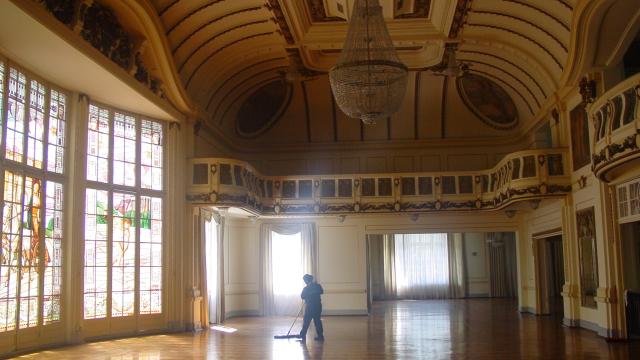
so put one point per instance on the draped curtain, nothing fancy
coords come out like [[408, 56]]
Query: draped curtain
[[283, 304], [211, 277], [502, 265], [457, 266], [423, 266]]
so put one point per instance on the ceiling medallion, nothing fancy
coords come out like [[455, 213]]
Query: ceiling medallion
[[368, 81]]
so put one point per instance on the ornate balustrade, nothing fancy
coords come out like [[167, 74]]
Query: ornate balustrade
[[616, 121], [524, 175]]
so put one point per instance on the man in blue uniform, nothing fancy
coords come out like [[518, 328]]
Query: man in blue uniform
[[313, 308]]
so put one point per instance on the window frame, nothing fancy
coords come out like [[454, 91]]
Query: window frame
[[139, 192], [21, 168]]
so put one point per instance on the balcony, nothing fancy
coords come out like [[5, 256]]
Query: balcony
[[616, 119], [524, 175]]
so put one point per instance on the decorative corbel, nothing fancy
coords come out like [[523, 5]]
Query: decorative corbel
[[587, 90]]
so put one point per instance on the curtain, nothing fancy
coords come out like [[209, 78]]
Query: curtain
[[285, 304], [502, 265], [457, 268], [421, 266], [211, 245], [221, 296], [201, 217], [389, 265]]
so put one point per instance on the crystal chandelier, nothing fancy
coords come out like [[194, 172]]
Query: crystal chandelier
[[368, 81]]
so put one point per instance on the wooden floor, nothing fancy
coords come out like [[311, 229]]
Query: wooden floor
[[450, 329]]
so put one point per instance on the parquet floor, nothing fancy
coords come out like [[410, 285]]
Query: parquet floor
[[448, 329]]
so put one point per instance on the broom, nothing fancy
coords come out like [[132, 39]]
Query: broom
[[288, 336]]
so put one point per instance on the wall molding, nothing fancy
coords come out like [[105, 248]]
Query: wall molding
[[242, 313]]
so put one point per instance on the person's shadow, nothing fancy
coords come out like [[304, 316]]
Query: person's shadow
[[316, 350]]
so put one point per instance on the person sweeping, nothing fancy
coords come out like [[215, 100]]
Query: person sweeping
[[313, 308]]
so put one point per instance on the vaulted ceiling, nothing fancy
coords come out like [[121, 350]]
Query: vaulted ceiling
[[270, 58]]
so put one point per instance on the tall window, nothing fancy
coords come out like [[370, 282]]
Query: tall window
[[123, 215], [33, 118], [421, 265], [286, 267]]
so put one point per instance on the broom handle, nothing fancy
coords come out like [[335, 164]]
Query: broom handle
[[294, 320]]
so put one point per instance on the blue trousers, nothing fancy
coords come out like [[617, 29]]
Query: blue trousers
[[312, 312]]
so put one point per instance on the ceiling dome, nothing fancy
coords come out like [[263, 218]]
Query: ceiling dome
[[488, 101], [263, 108]]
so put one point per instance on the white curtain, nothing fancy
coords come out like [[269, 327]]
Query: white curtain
[[281, 295], [211, 249], [421, 266], [457, 266]]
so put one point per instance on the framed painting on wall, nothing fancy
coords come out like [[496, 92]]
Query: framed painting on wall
[[585, 221], [580, 148]]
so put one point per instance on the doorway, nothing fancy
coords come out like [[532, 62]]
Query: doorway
[[630, 235], [550, 275]]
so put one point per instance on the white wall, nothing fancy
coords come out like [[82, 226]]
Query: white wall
[[341, 249], [241, 268], [477, 261]]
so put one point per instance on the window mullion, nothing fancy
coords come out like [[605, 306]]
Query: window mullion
[[138, 218], [20, 264], [42, 241], [110, 214], [26, 120], [5, 110]]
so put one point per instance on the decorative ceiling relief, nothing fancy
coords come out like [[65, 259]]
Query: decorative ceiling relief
[[263, 108], [99, 26], [488, 101], [340, 10], [318, 12]]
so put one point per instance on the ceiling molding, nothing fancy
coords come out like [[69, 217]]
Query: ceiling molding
[[502, 70], [518, 34], [530, 23], [542, 11], [219, 50], [228, 79], [213, 38], [190, 14], [493, 55], [213, 21]]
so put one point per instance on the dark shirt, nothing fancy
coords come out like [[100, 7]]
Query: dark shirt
[[311, 294]]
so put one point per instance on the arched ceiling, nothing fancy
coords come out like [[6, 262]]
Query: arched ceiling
[[225, 50]]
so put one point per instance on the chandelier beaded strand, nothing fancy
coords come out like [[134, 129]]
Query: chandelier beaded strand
[[368, 81]]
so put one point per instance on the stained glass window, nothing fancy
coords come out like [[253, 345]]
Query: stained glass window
[[150, 255], [57, 126], [35, 134], [32, 207], [98, 145], [53, 252], [14, 145], [95, 254], [123, 250], [10, 252], [1, 96], [124, 150], [151, 149], [127, 215]]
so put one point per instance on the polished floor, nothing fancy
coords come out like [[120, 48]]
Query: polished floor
[[448, 329]]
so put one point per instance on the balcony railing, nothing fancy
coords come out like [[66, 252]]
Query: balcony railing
[[616, 120], [524, 175]]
